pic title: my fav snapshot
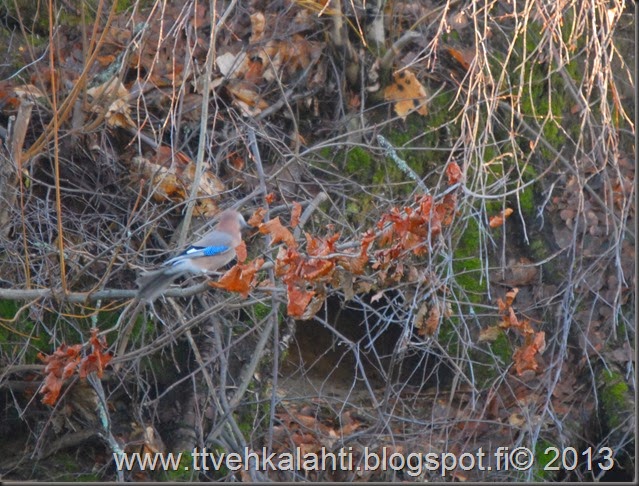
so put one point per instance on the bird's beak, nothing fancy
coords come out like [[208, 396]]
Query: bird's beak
[[243, 223]]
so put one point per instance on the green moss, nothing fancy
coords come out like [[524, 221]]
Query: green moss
[[448, 335], [538, 249], [527, 201], [68, 468], [467, 263], [501, 348], [542, 459], [184, 471], [326, 153], [11, 341], [615, 397], [358, 160], [261, 311], [487, 367], [123, 5]]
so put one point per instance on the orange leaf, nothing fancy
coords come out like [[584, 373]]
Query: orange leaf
[[498, 220], [314, 269], [321, 246], [239, 278], [510, 296], [240, 251], [462, 57], [97, 360], [60, 365], [295, 214], [257, 217], [524, 357], [298, 298], [51, 389], [357, 265], [454, 173], [278, 232]]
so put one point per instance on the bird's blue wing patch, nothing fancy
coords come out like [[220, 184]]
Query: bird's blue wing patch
[[195, 252], [214, 250]]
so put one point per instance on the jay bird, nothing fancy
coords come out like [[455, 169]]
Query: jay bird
[[214, 250]]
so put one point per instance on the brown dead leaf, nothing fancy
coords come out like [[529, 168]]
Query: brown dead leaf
[[489, 334], [258, 23], [510, 296], [97, 359], [407, 93], [454, 173], [499, 220], [257, 217], [278, 232], [239, 278], [66, 360], [298, 298], [60, 365], [464, 56], [240, 252], [428, 326], [171, 175], [114, 96], [295, 214], [246, 97], [524, 357]]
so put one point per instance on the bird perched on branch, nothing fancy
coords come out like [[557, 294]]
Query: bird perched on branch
[[214, 250]]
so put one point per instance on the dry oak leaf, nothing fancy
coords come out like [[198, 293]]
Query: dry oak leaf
[[240, 252], [60, 366], [357, 263], [171, 175], [464, 57], [114, 96], [407, 93], [97, 359], [239, 278], [66, 360], [510, 298], [489, 334], [524, 357], [295, 214], [499, 220], [427, 326], [246, 97], [454, 173], [257, 217], [278, 232], [298, 297]]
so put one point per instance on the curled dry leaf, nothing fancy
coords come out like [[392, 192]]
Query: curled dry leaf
[[489, 334], [524, 357], [454, 173], [298, 298], [499, 220], [114, 96], [295, 214], [171, 175], [97, 359], [240, 278], [257, 217], [240, 252], [278, 232], [59, 366], [66, 360]]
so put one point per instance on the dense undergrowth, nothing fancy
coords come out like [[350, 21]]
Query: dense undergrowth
[[449, 272]]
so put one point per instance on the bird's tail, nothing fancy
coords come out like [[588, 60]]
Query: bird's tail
[[153, 284]]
